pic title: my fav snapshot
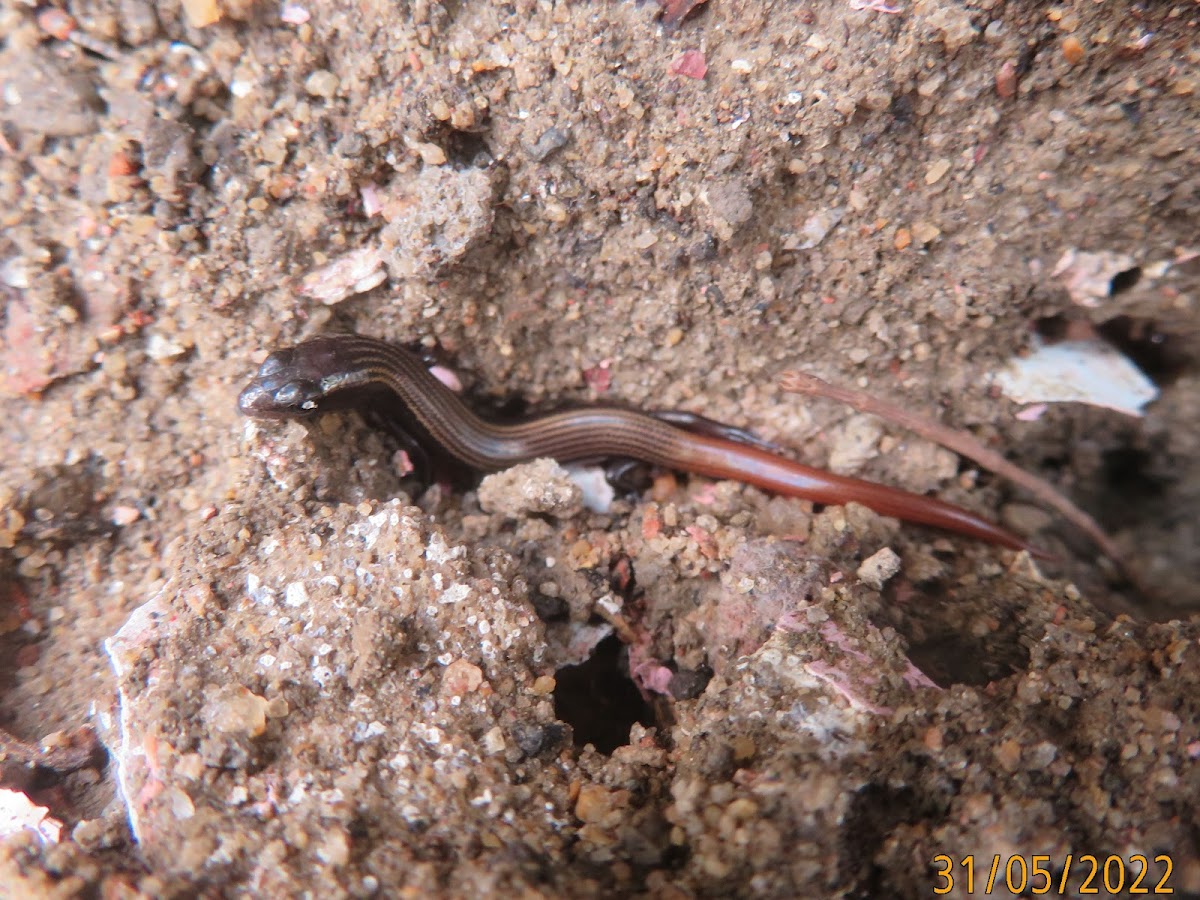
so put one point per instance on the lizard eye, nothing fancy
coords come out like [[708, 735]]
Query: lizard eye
[[290, 395]]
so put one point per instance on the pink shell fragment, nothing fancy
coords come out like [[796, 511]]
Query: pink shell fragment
[[690, 64], [293, 14]]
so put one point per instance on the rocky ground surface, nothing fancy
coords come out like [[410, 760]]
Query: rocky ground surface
[[246, 658]]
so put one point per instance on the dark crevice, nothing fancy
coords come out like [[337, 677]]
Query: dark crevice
[[1124, 280], [951, 657], [598, 699], [950, 654], [464, 149], [876, 811], [1127, 471], [1052, 328], [1162, 356]]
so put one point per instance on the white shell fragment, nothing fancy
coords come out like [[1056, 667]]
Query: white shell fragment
[[352, 273], [598, 495], [18, 813], [815, 229], [1088, 277], [1080, 372]]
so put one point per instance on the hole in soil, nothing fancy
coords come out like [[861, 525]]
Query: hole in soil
[[875, 812], [598, 699], [1123, 281], [1160, 355], [1126, 469], [955, 658], [1052, 328], [466, 149], [947, 651]]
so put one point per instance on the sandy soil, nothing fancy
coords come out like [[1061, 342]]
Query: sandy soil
[[331, 679]]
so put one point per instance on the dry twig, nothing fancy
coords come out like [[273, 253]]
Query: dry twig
[[965, 445]]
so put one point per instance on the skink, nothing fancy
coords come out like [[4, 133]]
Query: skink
[[352, 371]]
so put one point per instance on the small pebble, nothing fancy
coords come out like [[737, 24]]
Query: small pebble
[[56, 23], [1006, 80], [293, 14], [937, 171], [125, 515], [1008, 755], [1073, 50], [461, 677], [879, 567], [934, 739], [689, 64], [321, 83], [201, 12], [551, 139], [743, 748], [431, 154], [237, 710], [596, 803], [925, 233]]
